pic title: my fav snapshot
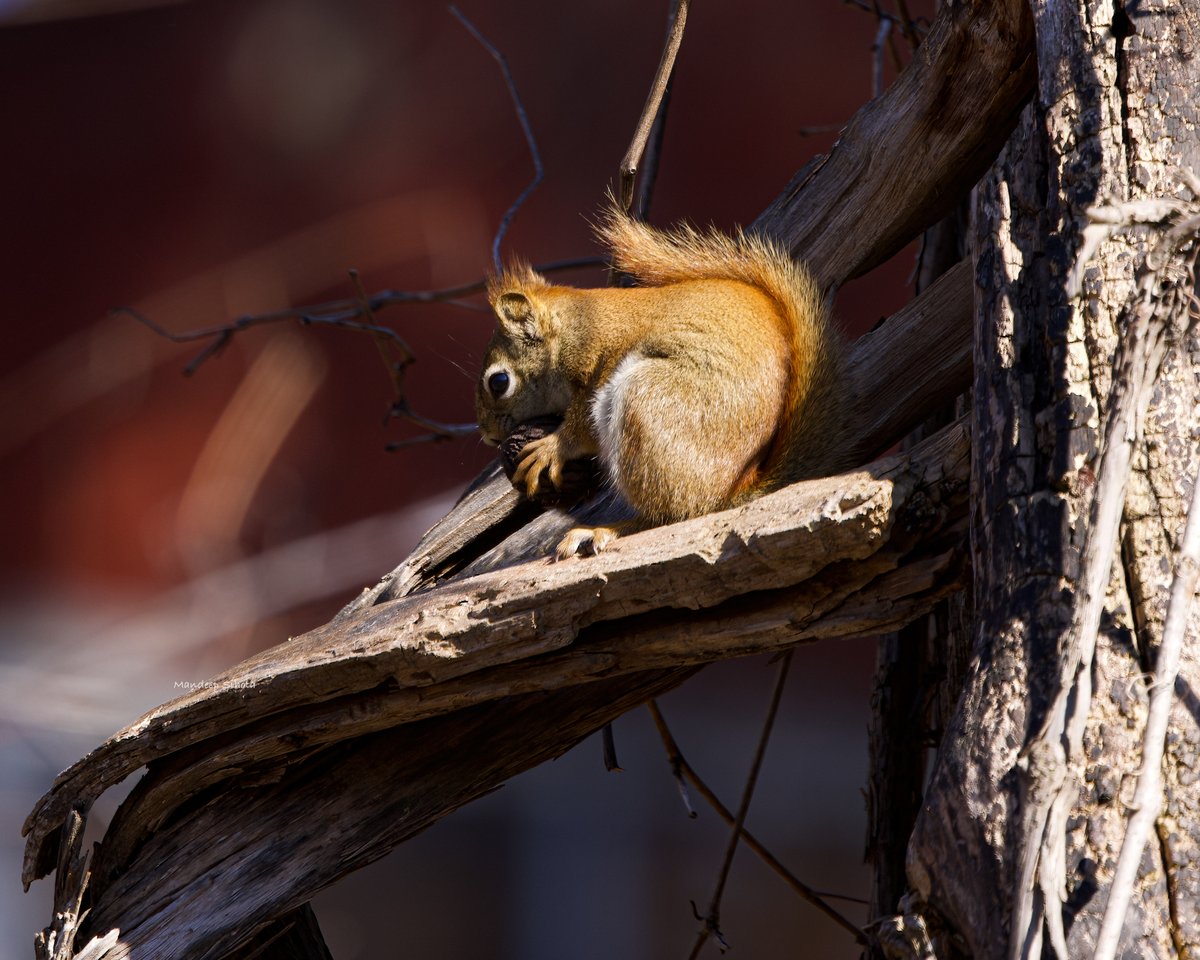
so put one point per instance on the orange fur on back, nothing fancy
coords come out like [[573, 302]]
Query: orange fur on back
[[804, 442]]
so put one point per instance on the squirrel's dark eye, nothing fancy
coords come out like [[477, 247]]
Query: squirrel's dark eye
[[497, 384]]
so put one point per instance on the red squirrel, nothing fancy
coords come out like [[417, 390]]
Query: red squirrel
[[714, 380]]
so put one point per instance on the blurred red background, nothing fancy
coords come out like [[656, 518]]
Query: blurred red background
[[203, 160]]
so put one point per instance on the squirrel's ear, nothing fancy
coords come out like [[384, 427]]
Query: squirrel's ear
[[517, 316]]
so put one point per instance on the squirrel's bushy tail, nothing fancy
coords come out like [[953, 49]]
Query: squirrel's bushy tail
[[809, 441]]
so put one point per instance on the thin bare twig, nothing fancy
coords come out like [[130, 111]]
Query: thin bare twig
[[397, 358], [394, 366], [221, 336], [534, 154], [682, 770], [438, 431], [882, 34], [887, 34], [649, 151], [341, 313], [712, 918], [658, 90], [650, 160], [907, 25], [345, 314], [611, 763], [453, 294], [820, 128], [917, 26], [385, 338]]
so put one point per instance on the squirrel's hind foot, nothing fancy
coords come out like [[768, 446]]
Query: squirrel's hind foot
[[588, 541], [585, 541]]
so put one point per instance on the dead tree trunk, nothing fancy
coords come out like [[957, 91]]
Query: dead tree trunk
[[1116, 112]]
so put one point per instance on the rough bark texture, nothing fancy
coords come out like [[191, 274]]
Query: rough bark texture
[[1116, 109], [1161, 71]]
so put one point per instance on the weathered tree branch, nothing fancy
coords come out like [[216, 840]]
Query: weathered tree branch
[[439, 652], [836, 557], [956, 103]]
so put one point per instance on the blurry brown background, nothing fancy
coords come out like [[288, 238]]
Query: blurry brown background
[[208, 159]]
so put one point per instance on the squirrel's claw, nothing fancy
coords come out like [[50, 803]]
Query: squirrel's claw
[[544, 453]]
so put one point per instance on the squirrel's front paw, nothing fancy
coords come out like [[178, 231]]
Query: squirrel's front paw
[[582, 541], [546, 454]]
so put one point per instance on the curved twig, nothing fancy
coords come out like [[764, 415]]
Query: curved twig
[[711, 918], [342, 312], [684, 771], [346, 314], [658, 92], [221, 336], [534, 154]]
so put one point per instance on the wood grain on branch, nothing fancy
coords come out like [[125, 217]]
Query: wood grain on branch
[[429, 654], [917, 149], [838, 557]]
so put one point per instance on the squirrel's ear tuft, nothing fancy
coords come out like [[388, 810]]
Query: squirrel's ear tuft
[[517, 316]]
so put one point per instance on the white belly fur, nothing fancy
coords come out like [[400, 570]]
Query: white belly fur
[[608, 411]]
